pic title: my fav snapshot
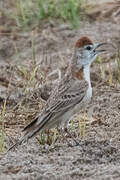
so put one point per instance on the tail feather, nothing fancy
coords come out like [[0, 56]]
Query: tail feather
[[30, 124], [30, 130]]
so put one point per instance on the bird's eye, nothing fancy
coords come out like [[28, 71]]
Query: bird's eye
[[88, 48]]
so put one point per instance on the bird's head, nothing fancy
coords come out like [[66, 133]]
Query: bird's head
[[87, 51]]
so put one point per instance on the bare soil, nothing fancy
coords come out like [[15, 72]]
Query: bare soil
[[98, 155]]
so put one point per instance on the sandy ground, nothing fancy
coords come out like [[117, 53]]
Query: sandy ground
[[98, 153]]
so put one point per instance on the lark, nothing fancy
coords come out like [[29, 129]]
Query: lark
[[71, 93]]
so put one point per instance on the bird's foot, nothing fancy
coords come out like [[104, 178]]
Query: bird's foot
[[71, 136]]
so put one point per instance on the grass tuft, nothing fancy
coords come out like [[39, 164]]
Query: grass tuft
[[28, 12], [2, 127], [118, 63], [82, 125]]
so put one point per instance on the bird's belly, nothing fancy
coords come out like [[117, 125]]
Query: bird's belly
[[84, 102], [63, 119]]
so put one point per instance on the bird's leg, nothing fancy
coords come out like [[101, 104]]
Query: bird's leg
[[62, 131], [70, 135]]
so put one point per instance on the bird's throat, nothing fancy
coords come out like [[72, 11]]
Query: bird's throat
[[78, 73], [82, 73], [86, 72]]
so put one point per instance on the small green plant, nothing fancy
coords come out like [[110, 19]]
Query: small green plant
[[42, 138], [82, 125], [41, 12], [71, 11], [2, 127], [118, 63], [48, 137], [25, 12], [66, 10], [110, 78], [30, 12], [73, 125]]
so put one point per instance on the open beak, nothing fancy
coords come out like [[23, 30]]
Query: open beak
[[98, 45]]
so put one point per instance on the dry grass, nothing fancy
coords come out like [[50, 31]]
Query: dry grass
[[2, 127], [29, 12], [31, 103]]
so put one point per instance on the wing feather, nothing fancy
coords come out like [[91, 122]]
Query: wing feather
[[70, 96]]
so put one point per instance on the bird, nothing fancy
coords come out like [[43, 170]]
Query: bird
[[71, 93]]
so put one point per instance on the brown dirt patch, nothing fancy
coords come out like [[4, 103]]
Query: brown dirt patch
[[98, 155]]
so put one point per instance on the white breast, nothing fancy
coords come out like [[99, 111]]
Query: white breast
[[88, 95], [87, 78]]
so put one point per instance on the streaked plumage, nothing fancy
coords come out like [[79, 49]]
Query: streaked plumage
[[68, 97]]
